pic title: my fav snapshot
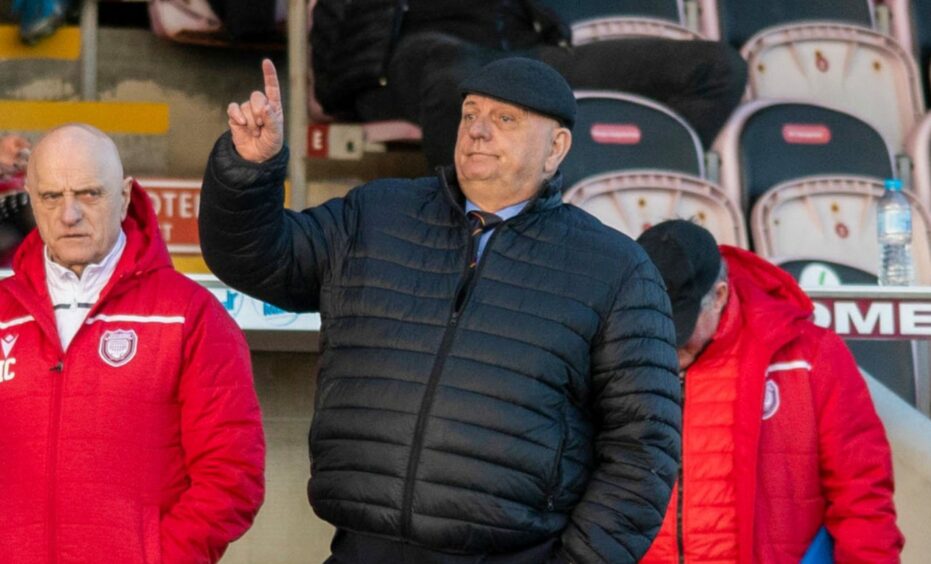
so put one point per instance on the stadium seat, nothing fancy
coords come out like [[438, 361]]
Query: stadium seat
[[767, 142], [634, 163], [736, 21], [911, 27], [599, 20], [615, 131], [825, 52], [921, 16], [575, 12], [832, 218], [919, 150], [633, 200], [858, 70]]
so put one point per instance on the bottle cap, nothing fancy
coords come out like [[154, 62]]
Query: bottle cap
[[893, 184]]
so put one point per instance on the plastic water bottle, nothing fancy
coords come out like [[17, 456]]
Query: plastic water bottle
[[894, 231]]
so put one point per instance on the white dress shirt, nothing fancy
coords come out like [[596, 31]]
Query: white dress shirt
[[73, 297]]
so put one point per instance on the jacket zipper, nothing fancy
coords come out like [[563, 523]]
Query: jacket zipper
[[680, 542], [54, 425], [462, 296]]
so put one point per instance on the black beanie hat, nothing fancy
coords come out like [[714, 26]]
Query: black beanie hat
[[689, 261], [525, 82]]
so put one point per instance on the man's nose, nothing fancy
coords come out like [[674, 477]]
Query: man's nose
[[480, 128], [71, 212]]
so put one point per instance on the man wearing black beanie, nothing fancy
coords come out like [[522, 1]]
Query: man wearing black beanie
[[498, 377], [784, 459]]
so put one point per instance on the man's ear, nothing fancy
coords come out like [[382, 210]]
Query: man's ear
[[559, 148], [721, 292], [126, 191]]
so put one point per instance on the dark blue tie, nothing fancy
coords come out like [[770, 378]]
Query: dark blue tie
[[480, 222]]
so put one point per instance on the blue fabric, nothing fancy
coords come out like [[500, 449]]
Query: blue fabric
[[821, 549], [39, 18], [505, 214]]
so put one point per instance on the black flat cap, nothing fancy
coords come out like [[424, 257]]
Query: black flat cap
[[525, 82], [689, 261]]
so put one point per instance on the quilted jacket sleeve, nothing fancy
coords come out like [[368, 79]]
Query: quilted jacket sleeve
[[638, 423], [856, 463], [222, 440], [252, 243]]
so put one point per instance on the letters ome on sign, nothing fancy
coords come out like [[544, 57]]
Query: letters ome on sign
[[875, 317]]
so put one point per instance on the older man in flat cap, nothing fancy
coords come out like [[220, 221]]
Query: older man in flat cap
[[498, 380]]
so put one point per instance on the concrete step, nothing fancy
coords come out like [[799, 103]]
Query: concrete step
[[63, 45]]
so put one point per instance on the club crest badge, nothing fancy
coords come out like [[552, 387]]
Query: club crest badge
[[770, 400], [118, 347]]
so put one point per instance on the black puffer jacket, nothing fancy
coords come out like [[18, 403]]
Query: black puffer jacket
[[472, 415], [353, 40]]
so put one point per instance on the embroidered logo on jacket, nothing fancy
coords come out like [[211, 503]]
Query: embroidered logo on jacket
[[770, 400], [6, 371], [7, 343], [118, 347]]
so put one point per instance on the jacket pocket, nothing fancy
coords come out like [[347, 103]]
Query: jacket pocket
[[555, 476], [152, 534]]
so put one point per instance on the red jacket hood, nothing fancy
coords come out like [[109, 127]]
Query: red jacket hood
[[765, 302], [748, 268], [763, 289], [145, 249]]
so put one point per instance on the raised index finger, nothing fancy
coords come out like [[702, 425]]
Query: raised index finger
[[272, 90]]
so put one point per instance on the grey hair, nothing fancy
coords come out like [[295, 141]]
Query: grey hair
[[708, 298]]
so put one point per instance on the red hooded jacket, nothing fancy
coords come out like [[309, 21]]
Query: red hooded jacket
[[142, 443], [780, 437]]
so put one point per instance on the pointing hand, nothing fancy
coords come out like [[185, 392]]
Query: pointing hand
[[258, 123]]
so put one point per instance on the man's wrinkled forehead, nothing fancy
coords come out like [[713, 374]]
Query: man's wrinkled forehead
[[74, 155], [473, 101], [476, 100], [74, 171]]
